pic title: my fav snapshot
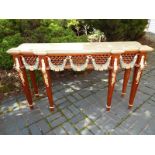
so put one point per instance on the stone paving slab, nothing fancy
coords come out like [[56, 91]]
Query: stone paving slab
[[80, 108]]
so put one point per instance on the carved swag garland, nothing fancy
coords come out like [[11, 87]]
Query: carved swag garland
[[81, 67]]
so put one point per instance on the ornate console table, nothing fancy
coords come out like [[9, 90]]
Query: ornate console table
[[79, 57]]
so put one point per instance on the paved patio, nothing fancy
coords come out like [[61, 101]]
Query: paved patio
[[80, 102]]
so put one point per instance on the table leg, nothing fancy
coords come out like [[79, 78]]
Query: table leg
[[25, 85], [136, 78], [125, 80], [34, 84], [24, 80], [47, 81], [111, 81]]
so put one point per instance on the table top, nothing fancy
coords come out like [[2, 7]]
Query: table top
[[78, 48]]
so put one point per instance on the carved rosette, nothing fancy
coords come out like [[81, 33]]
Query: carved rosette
[[141, 67], [44, 72]]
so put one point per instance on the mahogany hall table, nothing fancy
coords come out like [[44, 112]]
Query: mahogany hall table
[[79, 57]]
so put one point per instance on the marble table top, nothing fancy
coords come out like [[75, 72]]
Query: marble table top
[[78, 48]]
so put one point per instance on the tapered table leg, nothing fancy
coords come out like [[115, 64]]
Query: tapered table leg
[[136, 78], [24, 80], [34, 84], [47, 81], [125, 80], [111, 81]]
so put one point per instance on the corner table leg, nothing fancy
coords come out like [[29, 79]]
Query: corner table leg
[[111, 81], [34, 84], [125, 80], [24, 80], [136, 79], [25, 85]]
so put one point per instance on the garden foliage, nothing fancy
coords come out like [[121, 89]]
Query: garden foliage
[[16, 31]]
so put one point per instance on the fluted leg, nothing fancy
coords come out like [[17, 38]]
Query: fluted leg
[[136, 78], [34, 84], [24, 80], [47, 81], [25, 85], [125, 81], [111, 81]]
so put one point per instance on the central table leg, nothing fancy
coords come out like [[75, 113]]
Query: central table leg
[[111, 81], [47, 81], [34, 84], [136, 78], [125, 80]]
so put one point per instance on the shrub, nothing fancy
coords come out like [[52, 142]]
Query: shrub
[[15, 32], [6, 61], [119, 29]]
